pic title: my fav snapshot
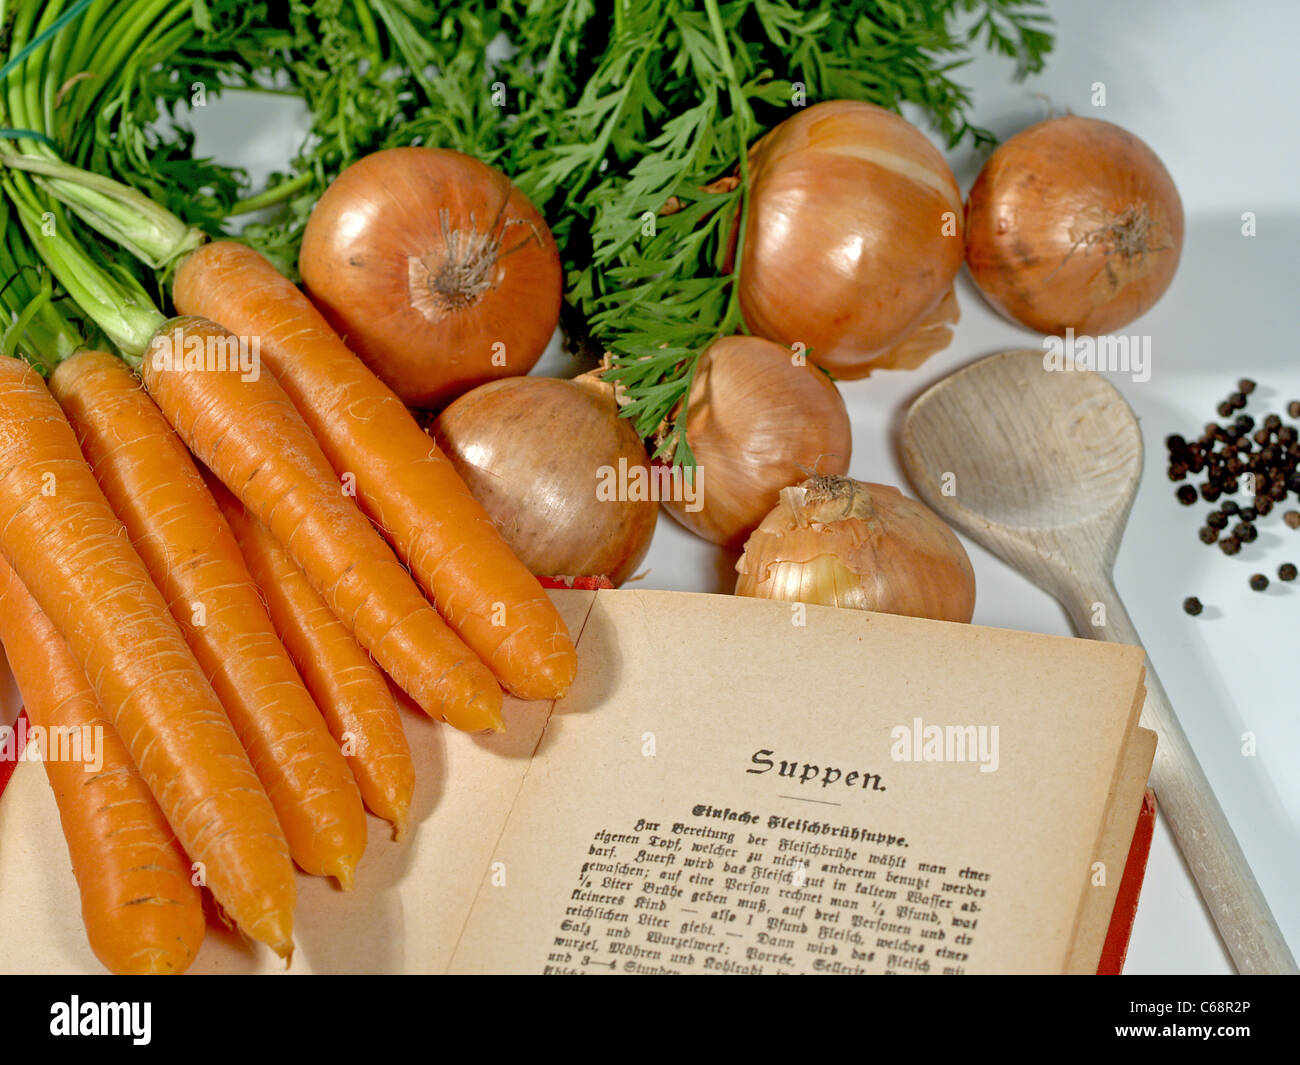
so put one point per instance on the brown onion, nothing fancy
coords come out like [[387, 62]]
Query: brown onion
[[537, 452], [1073, 223], [853, 236], [758, 419], [840, 542], [435, 268]]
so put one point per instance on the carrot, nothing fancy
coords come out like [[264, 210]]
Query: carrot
[[67, 547], [153, 486], [353, 695], [242, 426], [142, 913], [403, 481]]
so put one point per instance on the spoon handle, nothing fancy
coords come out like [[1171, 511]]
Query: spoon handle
[[1202, 832]]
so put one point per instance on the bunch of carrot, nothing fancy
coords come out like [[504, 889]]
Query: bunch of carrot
[[209, 561]]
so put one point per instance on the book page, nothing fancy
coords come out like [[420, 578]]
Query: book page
[[1103, 876], [744, 786]]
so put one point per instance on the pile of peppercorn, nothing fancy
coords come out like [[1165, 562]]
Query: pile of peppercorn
[[1259, 460]]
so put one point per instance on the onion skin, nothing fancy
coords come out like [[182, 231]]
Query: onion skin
[[1041, 195], [845, 246], [837, 542], [757, 421], [529, 449], [433, 310]]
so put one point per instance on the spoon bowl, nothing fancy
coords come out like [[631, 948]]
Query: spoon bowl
[[1041, 455]]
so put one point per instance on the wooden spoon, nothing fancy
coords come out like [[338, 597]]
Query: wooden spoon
[[1041, 468]]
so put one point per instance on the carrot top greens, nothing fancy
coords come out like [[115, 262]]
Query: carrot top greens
[[601, 111]]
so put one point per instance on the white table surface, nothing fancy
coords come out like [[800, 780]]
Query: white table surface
[[1209, 87]]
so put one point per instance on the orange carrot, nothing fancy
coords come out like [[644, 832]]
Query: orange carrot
[[242, 426], [67, 547], [349, 689], [142, 913], [403, 481], [152, 485]]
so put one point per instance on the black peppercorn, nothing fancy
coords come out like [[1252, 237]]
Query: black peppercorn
[[1249, 513], [1229, 507], [1262, 436], [1245, 386], [1210, 492], [1216, 519], [1287, 435], [1230, 545], [1237, 400], [1293, 408], [1245, 532], [1292, 519], [1186, 495], [1244, 423], [1209, 534], [1272, 422], [1192, 605], [1264, 505], [1287, 571], [1259, 582], [1225, 409]]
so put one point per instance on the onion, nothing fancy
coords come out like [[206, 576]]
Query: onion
[[839, 542], [437, 271], [758, 419], [1073, 224], [853, 237], [546, 458]]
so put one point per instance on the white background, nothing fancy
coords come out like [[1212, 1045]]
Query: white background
[[1210, 88]]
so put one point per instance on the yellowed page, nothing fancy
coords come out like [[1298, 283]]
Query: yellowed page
[[655, 831], [411, 898], [1102, 884]]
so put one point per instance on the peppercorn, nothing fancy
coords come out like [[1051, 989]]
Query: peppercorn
[[1178, 472], [1225, 409], [1293, 408], [1262, 436], [1216, 519], [1230, 545], [1244, 423], [1287, 571], [1264, 505], [1248, 513], [1210, 492], [1291, 517], [1245, 386], [1287, 434], [1187, 495], [1229, 507], [1192, 605], [1245, 532], [1272, 422], [1259, 582], [1209, 534], [1237, 400]]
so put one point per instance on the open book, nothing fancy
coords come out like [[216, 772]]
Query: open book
[[732, 785]]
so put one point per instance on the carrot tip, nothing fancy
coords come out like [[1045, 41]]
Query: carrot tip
[[344, 873]]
